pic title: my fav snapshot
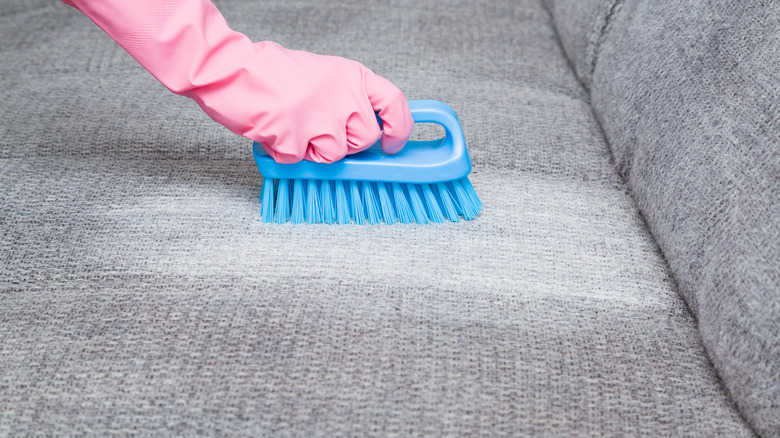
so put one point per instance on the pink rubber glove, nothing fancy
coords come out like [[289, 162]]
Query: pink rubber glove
[[297, 104]]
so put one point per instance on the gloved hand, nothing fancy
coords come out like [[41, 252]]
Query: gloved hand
[[298, 105]]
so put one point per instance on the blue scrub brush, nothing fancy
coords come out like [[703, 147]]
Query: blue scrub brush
[[425, 182]]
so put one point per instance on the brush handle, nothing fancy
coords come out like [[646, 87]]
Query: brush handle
[[444, 159], [431, 111]]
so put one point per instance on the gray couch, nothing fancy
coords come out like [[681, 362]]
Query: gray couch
[[623, 278]]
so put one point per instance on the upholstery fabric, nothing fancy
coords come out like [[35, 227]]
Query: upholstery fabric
[[141, 294], [581, 27], [688, 95]]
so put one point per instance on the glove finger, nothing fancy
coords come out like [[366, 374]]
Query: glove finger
[[362, 131], [286, 149], [328, 147], [393, 109]]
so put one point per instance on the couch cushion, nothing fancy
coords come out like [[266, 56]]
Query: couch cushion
[[688, 98], [142, 294]]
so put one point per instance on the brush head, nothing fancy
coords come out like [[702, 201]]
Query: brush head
[[424, 183]]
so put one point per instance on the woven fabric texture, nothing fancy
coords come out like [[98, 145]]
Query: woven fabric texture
[[689, 98], [141, 294], [581, 26]]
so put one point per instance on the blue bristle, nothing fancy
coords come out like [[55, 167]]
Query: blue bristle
[[432, 204], [388, 215], [283, 201], [467, 208], [369, 200], [267, 200], [471, 192], [300, 200], [313, 210], [402, 205], [326, 203], [342, 205], [476, 204], [451, 190], [297, 202], [418, 209], [357, 205], [446, 202]]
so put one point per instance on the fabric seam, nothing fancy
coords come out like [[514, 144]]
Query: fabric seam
[[595, 48]]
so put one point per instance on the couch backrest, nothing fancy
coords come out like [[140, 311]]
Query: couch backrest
[[688, 95]]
